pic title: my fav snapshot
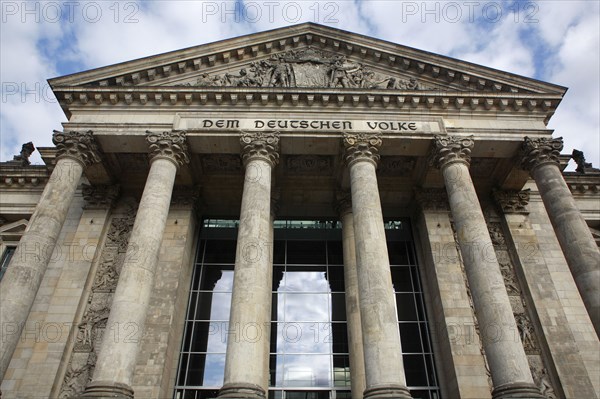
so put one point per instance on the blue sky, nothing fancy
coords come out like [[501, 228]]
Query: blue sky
[[554, 41]]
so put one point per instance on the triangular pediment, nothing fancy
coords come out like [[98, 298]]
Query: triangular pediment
[[306, 56]]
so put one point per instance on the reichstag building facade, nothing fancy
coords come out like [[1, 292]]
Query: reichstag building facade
[[302, 213]]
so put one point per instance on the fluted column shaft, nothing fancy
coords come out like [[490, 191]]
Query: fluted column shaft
[[540, 157], [506, 357], [355, 341], [381, 339], [125, 326], [248, 338], [23, 277]]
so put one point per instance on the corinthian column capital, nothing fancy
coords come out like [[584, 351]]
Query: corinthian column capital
[[362, 147], [450, 149], [169, 145], [343, 203], [512, 201], [80, 146], [540, 151], [260, 145]]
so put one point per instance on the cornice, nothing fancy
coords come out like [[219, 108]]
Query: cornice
[[184, 96], [23, 177]]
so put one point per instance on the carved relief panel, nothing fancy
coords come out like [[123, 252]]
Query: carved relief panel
[[92, 326]]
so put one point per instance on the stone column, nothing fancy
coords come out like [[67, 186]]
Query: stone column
[[23, 277], [540, 158], [355, 341], [381, 339], [461, 351], [248, 336], [125, 326], [511, 376]]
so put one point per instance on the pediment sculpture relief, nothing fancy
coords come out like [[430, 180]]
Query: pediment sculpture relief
[[308, 68]]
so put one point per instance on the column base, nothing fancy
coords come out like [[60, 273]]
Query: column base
[[107, 389], [241, 391], [387, 392], [517, 390]]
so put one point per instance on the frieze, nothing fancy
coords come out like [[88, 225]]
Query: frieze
[[525, 328], [320, 165], [397, 166], [309, 68], [221, 163], [432, 199], [195, 122], [101, 196], [90, 329]]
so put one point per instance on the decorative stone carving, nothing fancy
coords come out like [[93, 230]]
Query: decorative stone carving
[[309, 68], [449, 149], [343, 203], [512, 201], [432, 199], [497, 235], [76, 145], [396, 166], [185, 197], [101, 196], [93, 323], [23, 158], [275, 201], [527, 333], [510, 280], [77, 377], [221, 163], [321, 165], [260, 145], [539, 151], [171, 145], [582, 166], [542, 379], [483, 167], [362, 147]]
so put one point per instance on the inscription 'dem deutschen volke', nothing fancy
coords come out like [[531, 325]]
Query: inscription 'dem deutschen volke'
[[306, 124]]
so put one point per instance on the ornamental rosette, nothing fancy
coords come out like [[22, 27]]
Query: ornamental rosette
[[540, 151], [260, 145], [80, 146], [171, 145], [362, 147], [450, 149]]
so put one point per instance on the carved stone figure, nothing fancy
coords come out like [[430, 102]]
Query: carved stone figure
[[510, 282], [542, 380], [23, 158], [308, 68], [282, 74], [582, 166], [526, 333]]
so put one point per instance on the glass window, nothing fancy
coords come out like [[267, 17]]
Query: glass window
[[309, 349], [6, 257]]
